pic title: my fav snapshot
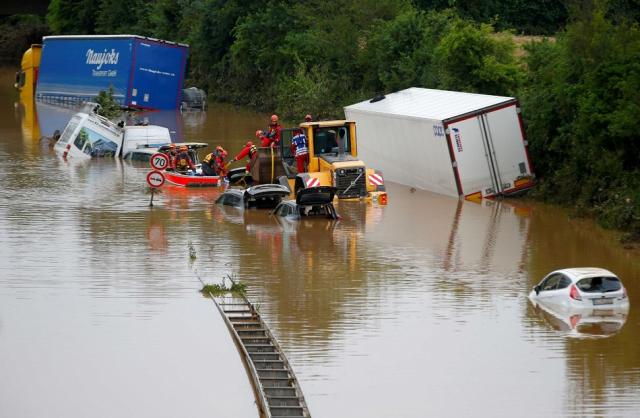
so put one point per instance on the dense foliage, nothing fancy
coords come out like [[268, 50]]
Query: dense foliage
[[526, 16], [17, 33], [583, 112], [578, 89]]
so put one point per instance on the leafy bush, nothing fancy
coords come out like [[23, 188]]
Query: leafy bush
[[581, 106], [17, 33], [109, 106]]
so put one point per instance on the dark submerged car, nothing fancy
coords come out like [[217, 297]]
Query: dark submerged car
[[310, 202], [263, 196], [193, 98]]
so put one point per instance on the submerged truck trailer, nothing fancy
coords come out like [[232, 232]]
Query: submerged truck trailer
[[457, 144], [145, 73]]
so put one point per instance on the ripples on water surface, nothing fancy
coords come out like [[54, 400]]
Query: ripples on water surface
[[410, 310]]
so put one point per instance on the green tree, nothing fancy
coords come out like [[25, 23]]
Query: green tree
[[17, 33], [174, 20], [211, 37], [109, 106], [73, 17], [116, 17], [471, 58], [530, 17], [581, 105], [400, 53]]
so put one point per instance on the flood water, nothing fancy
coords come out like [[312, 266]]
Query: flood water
[[414, 309]]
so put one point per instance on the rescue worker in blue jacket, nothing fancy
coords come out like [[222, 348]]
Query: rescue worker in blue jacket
[[300, 145]]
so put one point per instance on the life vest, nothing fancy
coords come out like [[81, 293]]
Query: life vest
[[274, 133], [208, 158], [182, 161], [252, 151]]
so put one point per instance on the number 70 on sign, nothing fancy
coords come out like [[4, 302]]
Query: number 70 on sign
[[159, 161]]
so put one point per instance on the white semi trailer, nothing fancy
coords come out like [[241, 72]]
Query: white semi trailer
[[457, 144]]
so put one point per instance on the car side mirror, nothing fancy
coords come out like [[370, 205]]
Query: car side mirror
[[537, 289]]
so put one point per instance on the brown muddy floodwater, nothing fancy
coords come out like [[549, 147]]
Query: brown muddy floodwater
[[416, 309]]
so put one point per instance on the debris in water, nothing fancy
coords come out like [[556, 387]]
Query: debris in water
[[237, 288], [192, 251]]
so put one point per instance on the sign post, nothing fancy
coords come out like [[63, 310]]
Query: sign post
[[155, 179]]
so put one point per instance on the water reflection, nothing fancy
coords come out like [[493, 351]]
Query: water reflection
[[581, 323]]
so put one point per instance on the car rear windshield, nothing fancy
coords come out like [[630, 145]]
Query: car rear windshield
[[599, 284]]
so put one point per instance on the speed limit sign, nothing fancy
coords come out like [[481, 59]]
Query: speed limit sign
[[155, 178], [159, 161]]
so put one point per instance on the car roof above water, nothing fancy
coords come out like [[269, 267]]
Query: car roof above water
[[578, 273]]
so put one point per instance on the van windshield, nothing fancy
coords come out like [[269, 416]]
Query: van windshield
[[68, 131], [94, 144]]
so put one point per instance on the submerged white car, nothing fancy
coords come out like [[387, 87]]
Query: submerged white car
[[578, 288]]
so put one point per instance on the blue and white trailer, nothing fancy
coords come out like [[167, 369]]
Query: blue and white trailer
[[145, 73]]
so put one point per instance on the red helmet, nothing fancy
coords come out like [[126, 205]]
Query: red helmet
[[274, 118], [172, 145], [249, 143], [308, 118], [184, 148], [258, 134], [220, 149]]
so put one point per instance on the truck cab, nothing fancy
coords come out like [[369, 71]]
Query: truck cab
[[333, 161]]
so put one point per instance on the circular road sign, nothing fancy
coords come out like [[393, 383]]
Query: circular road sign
[[159, 161], [155, 178]]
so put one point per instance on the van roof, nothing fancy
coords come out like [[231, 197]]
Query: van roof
[[421, 103]]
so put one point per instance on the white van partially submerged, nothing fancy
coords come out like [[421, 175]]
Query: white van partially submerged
[[457, 144], [140, 142], [90, 135]]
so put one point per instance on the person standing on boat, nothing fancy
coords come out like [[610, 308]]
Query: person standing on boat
[[250, 151], [299, 143], [183, 161], [213, 163], [308, 118], [274, 132], [172, 153]]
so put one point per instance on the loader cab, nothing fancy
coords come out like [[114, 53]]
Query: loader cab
[[324, 138]]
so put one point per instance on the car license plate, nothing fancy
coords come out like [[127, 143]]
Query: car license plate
[[603, 301]]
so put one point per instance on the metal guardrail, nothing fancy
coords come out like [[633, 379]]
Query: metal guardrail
[[284, 398]]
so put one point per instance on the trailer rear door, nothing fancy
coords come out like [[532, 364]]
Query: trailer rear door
[[505, 137], [490, 153], [158, 75], [476, 174]]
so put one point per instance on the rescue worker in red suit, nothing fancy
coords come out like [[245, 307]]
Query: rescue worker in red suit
[[250, 151], [300, 146], [213, 163], [183, 161], [172, 153], [274, 132], [264, 140]]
